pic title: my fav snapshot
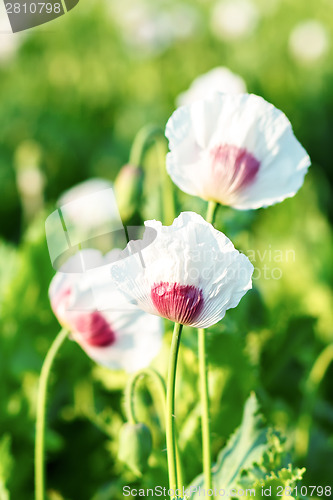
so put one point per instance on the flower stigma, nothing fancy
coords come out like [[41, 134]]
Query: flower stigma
[[179, 303], [233, 168], [95, 330]]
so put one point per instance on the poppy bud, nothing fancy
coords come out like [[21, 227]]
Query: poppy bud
[[128, 189], [135, 445]]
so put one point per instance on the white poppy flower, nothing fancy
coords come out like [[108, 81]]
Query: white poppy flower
[[216, 80], [109, 329], [190, 273], [237, 150]]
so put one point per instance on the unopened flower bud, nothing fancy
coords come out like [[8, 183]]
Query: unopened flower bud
[[135, 445], [128, 189]]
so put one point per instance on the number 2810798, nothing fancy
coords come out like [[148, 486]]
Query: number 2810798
[[33, 8]]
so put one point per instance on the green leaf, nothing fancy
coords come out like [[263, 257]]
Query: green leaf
[[280, 484], [244, 448], [254, 458]]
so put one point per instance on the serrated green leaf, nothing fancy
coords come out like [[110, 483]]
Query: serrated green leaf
[[253, 459], [245, 448], [273, 459], [280, 484]]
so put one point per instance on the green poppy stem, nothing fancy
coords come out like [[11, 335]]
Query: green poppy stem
[[203, 384], [130, 391], [316, 375], [170, 409], [41, 410], [142, 142], [205, 419], [211, 211], [167, 193], [159, 396]]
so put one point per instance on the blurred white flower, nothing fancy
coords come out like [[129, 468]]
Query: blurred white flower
[[190, 273], [9, 41], [89, 208], [8, 46], [309, 41], [152, 27], [184, 19], [216, 80], [89, 213], [87, 217], [110, 329], [237, 150], [30, 179], [233, 19]]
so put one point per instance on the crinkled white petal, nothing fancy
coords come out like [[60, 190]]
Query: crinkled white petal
[[216, 80], [138, 335], [190, 252], [245, 121]]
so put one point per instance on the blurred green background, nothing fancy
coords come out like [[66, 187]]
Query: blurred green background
[[73, 95]]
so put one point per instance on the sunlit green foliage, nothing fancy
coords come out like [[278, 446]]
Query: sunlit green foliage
[[75, 95]]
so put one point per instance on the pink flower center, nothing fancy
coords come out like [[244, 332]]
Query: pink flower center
[[233, 168], [179, 303], [95, 330]]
